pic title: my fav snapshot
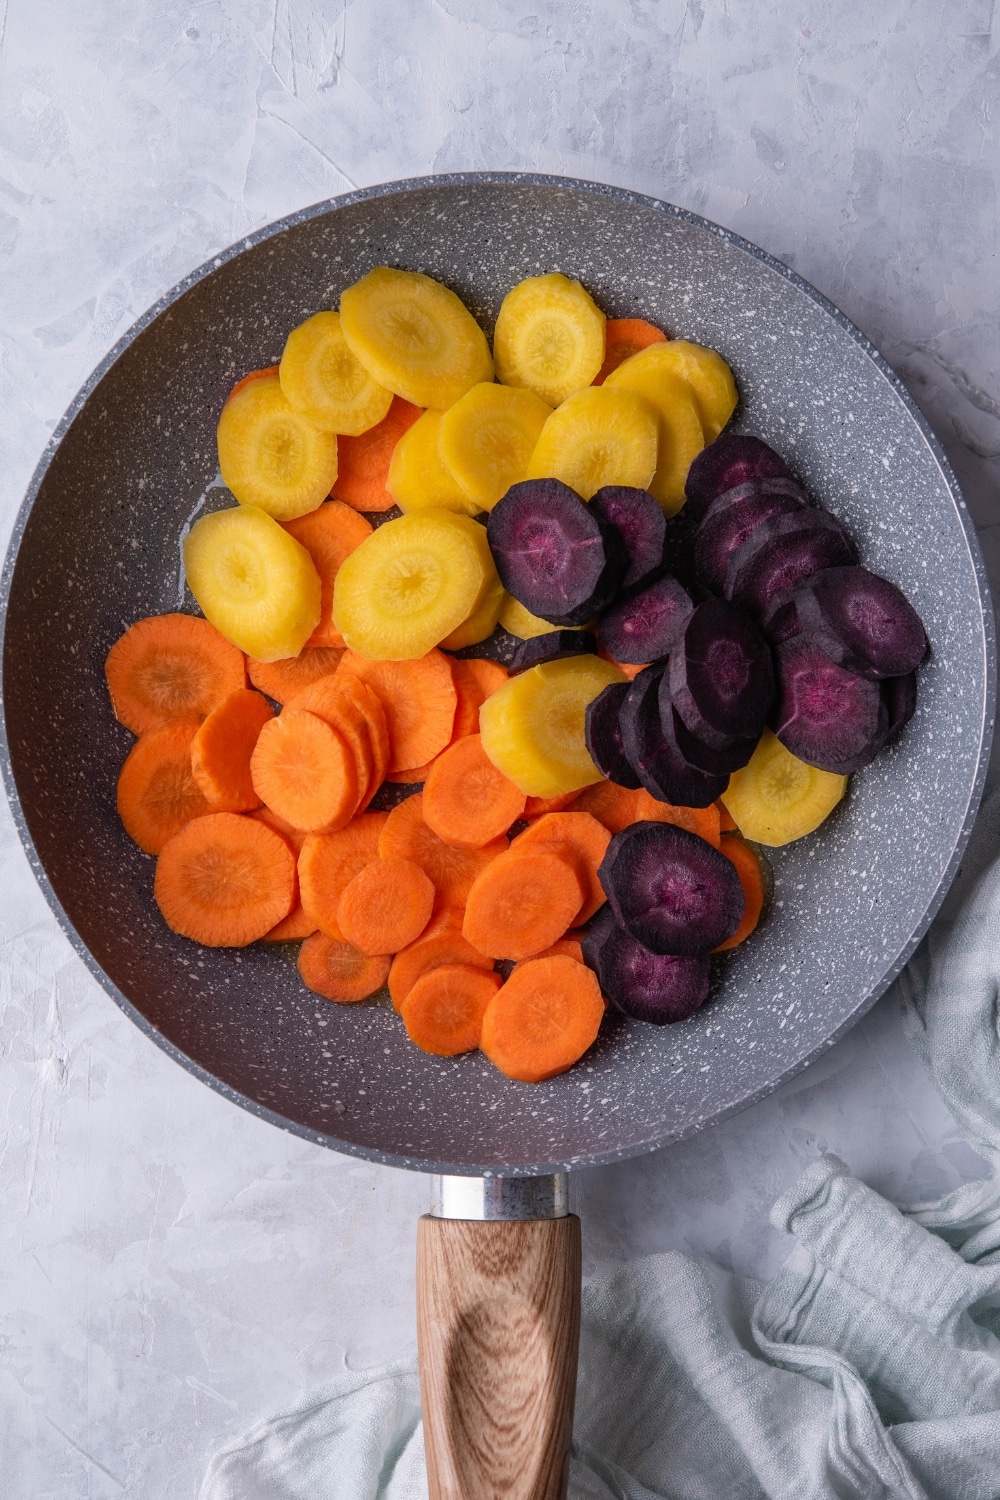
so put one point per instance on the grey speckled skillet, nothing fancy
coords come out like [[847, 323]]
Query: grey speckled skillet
[[96, 547]]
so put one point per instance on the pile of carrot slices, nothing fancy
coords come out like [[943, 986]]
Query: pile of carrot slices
[[252, 785]]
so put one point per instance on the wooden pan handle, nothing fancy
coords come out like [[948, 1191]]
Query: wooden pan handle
[[498, 1331]]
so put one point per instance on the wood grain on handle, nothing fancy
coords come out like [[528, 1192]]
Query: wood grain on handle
[[498, 1330]]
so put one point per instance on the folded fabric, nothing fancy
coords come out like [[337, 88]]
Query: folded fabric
[[869, 1367]]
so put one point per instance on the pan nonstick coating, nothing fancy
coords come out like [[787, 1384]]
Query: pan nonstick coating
[[96, 547]]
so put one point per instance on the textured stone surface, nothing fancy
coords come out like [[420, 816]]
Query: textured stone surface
[[171, 1267]]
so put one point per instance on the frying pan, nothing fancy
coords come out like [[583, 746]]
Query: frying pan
[[95, 547]]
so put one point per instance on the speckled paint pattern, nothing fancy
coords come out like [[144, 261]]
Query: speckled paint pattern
[[97, 547]]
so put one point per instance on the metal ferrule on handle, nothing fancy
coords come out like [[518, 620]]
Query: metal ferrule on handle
[[498, 1330]]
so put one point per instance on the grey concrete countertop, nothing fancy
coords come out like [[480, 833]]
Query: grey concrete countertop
[[172, 1268]]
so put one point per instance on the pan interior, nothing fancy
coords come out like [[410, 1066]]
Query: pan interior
[[99, 549]]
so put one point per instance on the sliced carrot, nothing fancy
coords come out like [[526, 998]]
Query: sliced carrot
[[224, 880], [451, 871], [727, 823], [298, 924], [363, 461], [414, 777], [221, 750], [157, 794], [466, 800], [386, 906], [305, 772], [368, 705], [171, 667], [332, 968], [293, 928], [254, 375], [616, 807], [330, 701], [294, 837], [328, 861], [755, 883], [443, 1012], [630, 669], [329, 534], [475, 679], [565, 947], [441, 943], [281, 680], [543, 1019], [624, 337], [537, 807], [579, 838], [522, 902], [419, 699]]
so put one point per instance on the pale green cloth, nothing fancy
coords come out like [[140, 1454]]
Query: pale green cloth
[[869, 1367]]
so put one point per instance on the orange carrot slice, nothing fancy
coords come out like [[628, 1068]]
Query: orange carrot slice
[[293, 928], [543, 1019], [616, 807], [580, 839], [363, 461], [466, 800], [224, 880], [441, 943], [750, 869], [171, 667], [386, 906], [630, 669], [565, 947], [414, 777], [330, 701], [332, 968], [475, 679], [157, 794], [294, 837], [370, 704], [298, 924], [221, 750], [727, 823], [305, 772], [521, 903], [537, 807], [624, 337], [281, 680], [329, 534], [451, 871], [443, 1012], [419, 699], [329, 861]]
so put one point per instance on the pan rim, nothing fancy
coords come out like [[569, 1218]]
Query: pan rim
[[646, 202]]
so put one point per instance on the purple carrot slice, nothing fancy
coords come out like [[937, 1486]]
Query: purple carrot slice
[[729, 522], [900, 694], [782, 553], [553, 553], [721, 675], [826, 715], [731, 460], [670, 889], [603, 733], [646, 625], [641, 524], [657, 987], [653, 752], [554, 645], [714, 760], [862, 621], [780, 620]]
